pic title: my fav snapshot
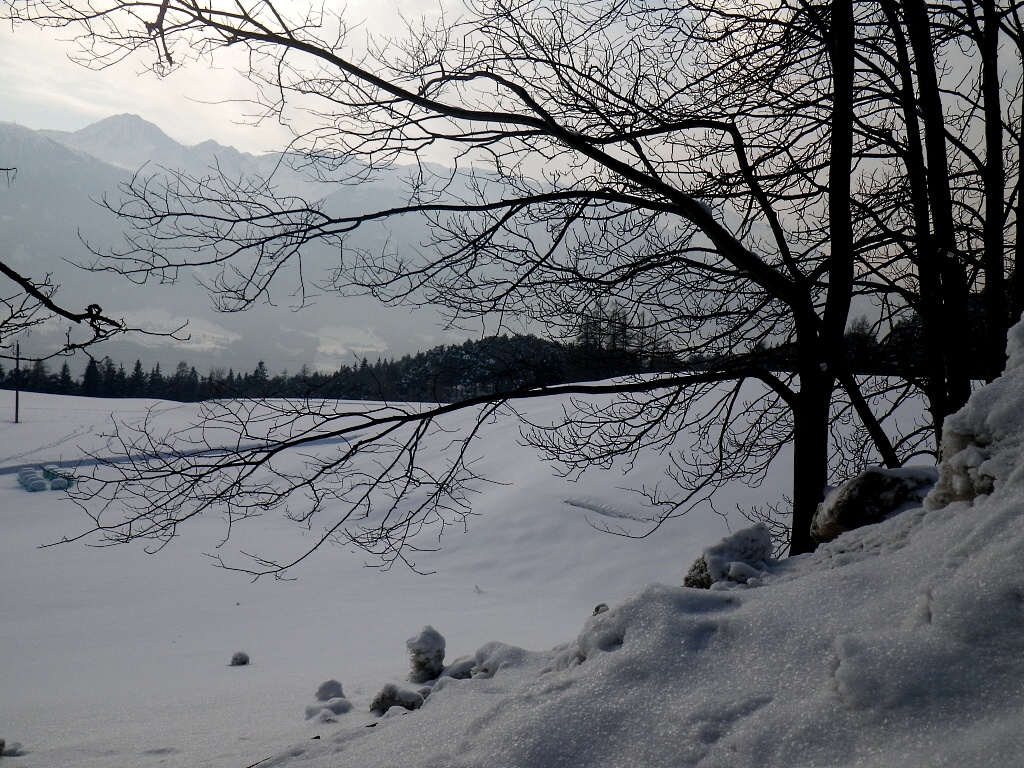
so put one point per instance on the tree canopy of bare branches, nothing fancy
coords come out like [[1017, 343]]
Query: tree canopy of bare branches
[[731, 176]]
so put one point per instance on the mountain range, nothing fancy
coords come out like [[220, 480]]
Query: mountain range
[[51, 215]]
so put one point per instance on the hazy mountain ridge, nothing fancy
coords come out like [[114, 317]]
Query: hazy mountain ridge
[[53, 206], [129, 142]]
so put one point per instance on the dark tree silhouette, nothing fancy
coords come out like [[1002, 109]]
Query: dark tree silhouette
[[727, 178]]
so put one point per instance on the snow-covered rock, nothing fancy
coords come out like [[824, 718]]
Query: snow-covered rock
[[869, 498], [739, 558]]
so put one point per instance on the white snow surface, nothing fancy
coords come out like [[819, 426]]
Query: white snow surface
[[899, 644]]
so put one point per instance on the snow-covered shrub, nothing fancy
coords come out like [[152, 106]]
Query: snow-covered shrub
[[393, 696], [461, 668], [325, 711], [330, 701], [426, 655], [869, 498], [738, 558], [329, 689], [239, 659], [697, 577]]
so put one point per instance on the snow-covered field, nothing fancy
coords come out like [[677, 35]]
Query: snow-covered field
[[111, 656], [900, 644]]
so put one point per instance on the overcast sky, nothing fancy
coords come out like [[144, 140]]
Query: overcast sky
[[41, 88]]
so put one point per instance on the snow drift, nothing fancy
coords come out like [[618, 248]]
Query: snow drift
[[900, 643]]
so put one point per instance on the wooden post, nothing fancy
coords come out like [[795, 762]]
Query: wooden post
[[17, 379]]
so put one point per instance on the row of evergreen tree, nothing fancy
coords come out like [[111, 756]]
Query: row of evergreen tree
[[603, 349], [442, 374]]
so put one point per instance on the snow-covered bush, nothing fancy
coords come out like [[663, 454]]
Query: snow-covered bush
[[460, 669], [329, 689], [426, 655], [326, 711], [869, 498], [330, 702], [741, 558], [239, 659], [393, 696]]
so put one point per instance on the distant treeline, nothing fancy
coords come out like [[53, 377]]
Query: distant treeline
[[442, 374], [453, 372]]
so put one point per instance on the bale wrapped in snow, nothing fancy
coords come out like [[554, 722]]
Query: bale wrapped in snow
[[741, 558], [426, 655], [870, 497]]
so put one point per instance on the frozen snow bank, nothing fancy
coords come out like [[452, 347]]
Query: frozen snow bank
[[982, 443]]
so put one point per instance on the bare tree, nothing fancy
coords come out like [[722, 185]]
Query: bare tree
[[725, 175]]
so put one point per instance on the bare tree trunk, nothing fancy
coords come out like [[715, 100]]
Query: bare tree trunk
[[929, 306], [810, 442], [994, 180], [954, 330]]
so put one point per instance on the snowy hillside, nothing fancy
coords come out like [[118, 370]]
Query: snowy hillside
[[900, 644]]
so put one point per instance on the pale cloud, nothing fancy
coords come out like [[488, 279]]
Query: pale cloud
[[41, 87], [203, 335], [337, 346]]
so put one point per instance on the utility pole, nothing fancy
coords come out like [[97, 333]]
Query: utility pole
[[17, 379]]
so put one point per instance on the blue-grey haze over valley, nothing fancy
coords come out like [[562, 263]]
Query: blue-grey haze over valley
[[52, 206]]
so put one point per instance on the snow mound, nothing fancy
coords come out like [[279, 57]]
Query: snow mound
[[983, 443], [741, 558]]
